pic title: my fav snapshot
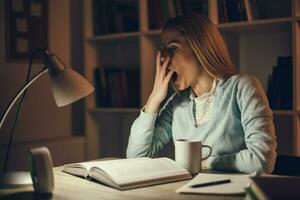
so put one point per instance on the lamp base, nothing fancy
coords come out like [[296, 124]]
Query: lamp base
[[15, 179]]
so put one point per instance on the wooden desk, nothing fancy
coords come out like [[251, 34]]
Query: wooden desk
[[70, 187]]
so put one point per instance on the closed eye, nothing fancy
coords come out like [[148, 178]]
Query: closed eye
[[171, 49]]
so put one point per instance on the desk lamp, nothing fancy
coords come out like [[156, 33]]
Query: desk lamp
[[67, 87]]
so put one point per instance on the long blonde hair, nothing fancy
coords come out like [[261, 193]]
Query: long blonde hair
[[207, 43]]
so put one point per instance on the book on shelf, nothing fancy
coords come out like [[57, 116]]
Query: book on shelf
[[280, 84], [178, 7], [273, 188], [101, 90], [129, 173], [236, 10], [155, 14], [111, 16], [160, 11], [117, 87], [171, 8], [99, 17], [232, 10], [251, 8], [125, 17]]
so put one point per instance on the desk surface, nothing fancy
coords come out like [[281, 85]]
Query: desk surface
[[71, 187]]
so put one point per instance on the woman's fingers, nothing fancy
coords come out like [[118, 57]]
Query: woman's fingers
[[162, 78], [158, 57], [164, 66], [168, 77], [161, 67]]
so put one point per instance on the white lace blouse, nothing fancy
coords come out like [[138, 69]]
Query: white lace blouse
[[204, 105]]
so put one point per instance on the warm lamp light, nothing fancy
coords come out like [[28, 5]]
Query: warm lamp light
[[67, 87]]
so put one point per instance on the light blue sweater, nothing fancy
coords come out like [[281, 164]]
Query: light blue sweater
[[240, 129]]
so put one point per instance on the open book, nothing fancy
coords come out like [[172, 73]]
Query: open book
[[130, 173]]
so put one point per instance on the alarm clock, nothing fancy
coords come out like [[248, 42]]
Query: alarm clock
[[41, 170]]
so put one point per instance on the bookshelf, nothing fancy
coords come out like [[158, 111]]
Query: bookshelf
[[254, 46]]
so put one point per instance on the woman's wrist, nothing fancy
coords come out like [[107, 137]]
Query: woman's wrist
[[152, 106]]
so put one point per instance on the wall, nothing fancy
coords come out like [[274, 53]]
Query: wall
[[41, 122]]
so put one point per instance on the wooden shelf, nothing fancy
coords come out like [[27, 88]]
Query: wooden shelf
[[114, 110], [153, 32], [256, 25], [115, 36], [260, 23]]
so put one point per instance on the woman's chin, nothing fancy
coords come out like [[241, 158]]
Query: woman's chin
[[180, 86]]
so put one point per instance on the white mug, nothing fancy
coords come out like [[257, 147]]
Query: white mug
[[188, 154]]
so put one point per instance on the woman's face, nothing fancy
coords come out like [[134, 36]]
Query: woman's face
[[183, 60]]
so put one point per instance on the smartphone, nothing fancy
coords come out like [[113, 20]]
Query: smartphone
[[164, 53]]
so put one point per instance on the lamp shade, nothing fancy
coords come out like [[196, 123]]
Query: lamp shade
[[68, 86]]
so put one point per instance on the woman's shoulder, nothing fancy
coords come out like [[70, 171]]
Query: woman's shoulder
[[240, 81], [177, 98]]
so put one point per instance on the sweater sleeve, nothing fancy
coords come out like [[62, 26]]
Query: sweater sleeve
[[259, 132], [150, 132]]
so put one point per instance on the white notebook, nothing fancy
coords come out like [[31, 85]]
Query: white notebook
[[237, 185]]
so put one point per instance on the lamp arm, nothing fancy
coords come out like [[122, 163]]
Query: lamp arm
[[13, 101]]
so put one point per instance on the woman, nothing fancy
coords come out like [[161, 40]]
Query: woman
[[223, 109]]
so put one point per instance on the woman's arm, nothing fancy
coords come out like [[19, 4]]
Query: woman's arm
[[260, 139], [150, 132]]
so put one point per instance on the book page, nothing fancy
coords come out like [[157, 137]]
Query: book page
[[138, 169], [79, 169]]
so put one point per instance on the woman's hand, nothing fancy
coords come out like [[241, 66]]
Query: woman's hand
[[160, 88]]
